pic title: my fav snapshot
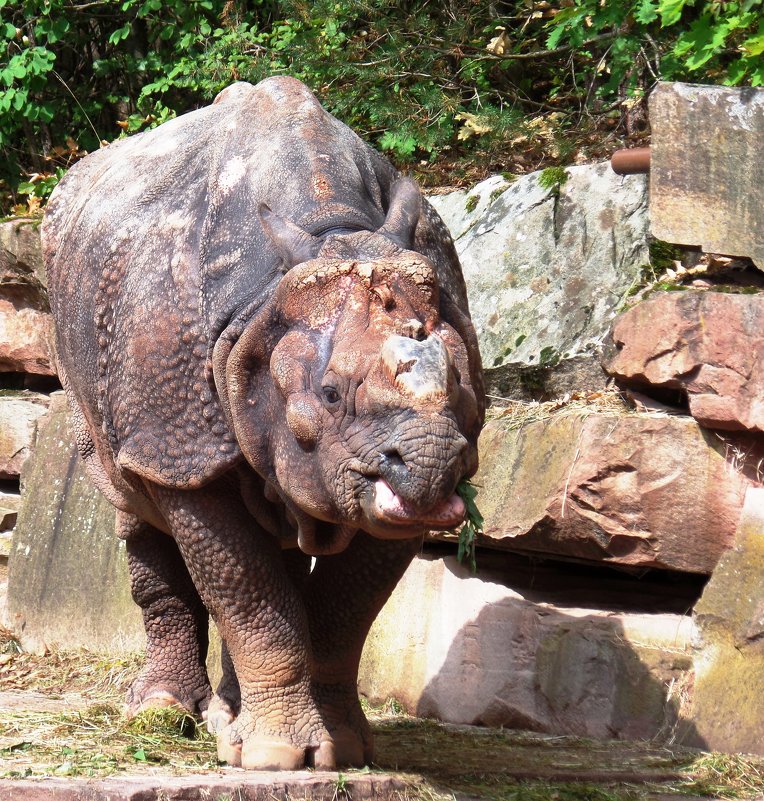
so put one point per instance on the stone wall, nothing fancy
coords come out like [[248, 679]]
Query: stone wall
[[26, 365], [605, 511]]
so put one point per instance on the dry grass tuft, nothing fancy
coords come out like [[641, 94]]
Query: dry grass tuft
[[514, 414]]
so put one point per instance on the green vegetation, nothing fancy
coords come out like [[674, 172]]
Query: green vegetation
[[552, 178], [471, 204], [663, 256], [497, 193], [473, 525], [452, 89]]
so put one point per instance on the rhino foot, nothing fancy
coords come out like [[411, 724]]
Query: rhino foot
[[352, 750], [152, 694], [241, 746], [347, 725], [220, 713], [262, 754]]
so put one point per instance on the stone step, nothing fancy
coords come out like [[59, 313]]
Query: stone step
[[472, 650]]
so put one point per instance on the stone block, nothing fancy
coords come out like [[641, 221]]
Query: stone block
[[161, 785], [26, 339], [19, 415], [26, 328], [67, 572], [708, 190], [10, 503], [476, 651], [728, 698], [647, 491], [21, 251], [706, 344], [545, 269]]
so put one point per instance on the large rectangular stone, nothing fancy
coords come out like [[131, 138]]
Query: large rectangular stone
[[706, 168], [477, 651], [644, 491], [68, 580], [728, 699]]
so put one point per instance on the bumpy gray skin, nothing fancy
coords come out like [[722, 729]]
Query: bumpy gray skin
[[264, 338]]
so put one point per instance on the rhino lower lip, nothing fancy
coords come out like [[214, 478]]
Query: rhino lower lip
[[388, 507]]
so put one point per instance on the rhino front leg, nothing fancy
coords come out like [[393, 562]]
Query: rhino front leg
[[225, 704], [344, 595], [238, 571], [175, 620]]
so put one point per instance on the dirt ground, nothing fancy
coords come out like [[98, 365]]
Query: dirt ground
[[63, 733]]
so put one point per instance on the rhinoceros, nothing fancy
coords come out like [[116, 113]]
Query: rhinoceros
[[264, 339]]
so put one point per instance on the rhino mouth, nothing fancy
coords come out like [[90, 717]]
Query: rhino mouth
[[386, 510]]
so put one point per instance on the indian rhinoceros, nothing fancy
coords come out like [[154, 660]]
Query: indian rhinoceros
[[264, 339]]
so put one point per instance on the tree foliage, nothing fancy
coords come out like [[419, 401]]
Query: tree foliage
[[460, 81]]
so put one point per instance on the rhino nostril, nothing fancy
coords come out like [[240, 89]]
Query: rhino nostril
[[392, 467], [392, 458]]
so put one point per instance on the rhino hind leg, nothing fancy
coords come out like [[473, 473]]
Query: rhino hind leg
[[226, 703], [343, 596], [174, 673]]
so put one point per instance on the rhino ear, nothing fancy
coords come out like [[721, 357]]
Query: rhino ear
[[294, 244], [403, 213]]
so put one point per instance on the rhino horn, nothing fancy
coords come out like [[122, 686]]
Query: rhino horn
[[403, 213], [419, 369], [294, 244]]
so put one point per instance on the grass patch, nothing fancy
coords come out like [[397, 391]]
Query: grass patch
[[552, 178], [104, 677], [100, 741]]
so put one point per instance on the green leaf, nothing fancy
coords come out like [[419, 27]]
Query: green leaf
[[20, 99], [139, 755], [754, 45], [120, 34], [58, 30], [472, 526], [670, 11], [9, 31], [701, 42], [646, 12], [737, 72]]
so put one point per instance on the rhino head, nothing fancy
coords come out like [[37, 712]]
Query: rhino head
[[349, 393]]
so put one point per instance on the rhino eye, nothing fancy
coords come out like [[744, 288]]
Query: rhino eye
[[330, 395]]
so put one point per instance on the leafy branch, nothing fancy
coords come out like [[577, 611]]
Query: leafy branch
[[473, 525]]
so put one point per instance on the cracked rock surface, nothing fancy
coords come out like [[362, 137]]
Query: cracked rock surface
[[547, 269]]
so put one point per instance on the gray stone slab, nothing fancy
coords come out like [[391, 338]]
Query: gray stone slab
[[546, 269], [707, 169], [68, 581], [227, 784]]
